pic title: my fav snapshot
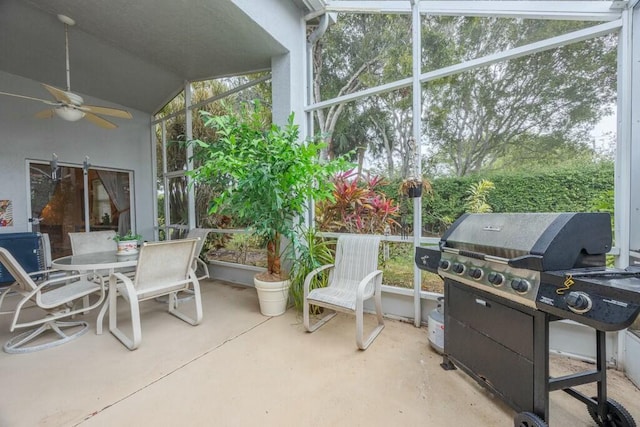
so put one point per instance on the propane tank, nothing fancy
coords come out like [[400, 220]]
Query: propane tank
[[436, 326]]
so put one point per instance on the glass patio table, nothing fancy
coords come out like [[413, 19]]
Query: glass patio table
[[96, 261]]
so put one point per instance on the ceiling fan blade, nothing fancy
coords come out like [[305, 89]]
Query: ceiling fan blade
[[29, 97], [45, 114], [106, 124], [114, 112], [58, 94]]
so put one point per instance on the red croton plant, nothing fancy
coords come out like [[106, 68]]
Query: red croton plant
[[358, 206]]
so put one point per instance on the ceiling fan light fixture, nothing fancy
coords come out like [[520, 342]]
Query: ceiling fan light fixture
[[69, 114]]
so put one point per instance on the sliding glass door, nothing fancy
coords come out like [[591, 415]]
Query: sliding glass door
[[71, 198]]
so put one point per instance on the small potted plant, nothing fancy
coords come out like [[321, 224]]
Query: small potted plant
[[414, 187], [128, 243]]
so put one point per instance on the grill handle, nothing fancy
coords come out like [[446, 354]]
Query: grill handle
[[476, 255], [531, 262]]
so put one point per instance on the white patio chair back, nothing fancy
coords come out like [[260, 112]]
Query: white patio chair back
[[55, 295], [356, 256], [23, 282], [353, 279], [162, 267], [200, 234], [93, 241]]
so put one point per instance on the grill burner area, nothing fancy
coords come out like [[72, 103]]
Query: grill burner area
[[506, 277]]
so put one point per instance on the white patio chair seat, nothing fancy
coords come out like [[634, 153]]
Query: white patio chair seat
[[55, 296], [353, 279], [164, 268]]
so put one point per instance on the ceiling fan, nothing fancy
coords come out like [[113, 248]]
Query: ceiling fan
[[68, 105]]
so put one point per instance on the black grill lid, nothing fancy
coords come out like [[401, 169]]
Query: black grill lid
[[537, 241]]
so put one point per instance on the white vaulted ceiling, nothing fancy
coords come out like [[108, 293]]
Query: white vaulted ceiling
[[133, 53]]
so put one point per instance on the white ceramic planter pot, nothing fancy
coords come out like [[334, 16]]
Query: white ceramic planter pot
[[127, 247], [272, 296]]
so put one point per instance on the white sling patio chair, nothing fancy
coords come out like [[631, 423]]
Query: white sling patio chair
[[353, 279], [201, 234], [92, 241], [55, 296], [164, 268]]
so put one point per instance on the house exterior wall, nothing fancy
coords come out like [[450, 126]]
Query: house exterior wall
[[24, 137], [284, 21]]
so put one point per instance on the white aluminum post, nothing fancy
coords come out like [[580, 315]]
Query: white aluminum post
[[191, 193], [165, 180], [540, 9], [417, 123], [622, 203]]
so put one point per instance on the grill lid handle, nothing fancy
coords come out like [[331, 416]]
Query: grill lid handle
[[531, 262]]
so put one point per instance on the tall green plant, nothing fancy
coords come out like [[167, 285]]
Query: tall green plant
[[476, 201], [310, 252], [268, 175]]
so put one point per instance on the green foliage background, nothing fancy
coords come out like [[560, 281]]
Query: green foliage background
[[576, 188]]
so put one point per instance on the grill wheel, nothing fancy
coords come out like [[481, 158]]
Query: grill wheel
[[528, 419], [617, 415]]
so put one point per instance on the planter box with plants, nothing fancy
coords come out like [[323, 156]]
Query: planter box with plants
[[269, 177]]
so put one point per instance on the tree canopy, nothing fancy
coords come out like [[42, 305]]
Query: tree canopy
[[534, 107]]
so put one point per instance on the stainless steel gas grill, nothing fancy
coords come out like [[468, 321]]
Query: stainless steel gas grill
[[506, 277]]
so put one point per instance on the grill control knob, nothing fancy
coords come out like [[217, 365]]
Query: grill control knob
[[444, 264], [520, 285], [578, 302], [458, 268], [475, 273], [496, 279]]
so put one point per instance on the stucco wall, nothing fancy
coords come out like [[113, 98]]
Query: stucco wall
[[284, 21], [25, 137]]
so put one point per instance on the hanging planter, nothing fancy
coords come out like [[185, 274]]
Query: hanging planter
[[413, 187]]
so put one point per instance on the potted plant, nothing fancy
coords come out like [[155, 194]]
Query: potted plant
[[127, 243], [413, 187], [269, 176]]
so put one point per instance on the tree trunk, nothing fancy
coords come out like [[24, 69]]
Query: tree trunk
[[273, 255]]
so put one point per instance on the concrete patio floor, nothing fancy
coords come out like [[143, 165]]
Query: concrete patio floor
[[239, 368]]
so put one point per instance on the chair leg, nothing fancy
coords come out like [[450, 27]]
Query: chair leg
[[306, 317], [360, 342], [101, 313], [205, 269], [174, 301], [131, 344]]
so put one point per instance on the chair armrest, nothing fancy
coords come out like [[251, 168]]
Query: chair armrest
[[307, 280], [114, 278], [54, 281], [41, 272], [376, 276]]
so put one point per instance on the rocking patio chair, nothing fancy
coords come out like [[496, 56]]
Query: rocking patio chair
[[55, 296], [164, 268], [353, 279]]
